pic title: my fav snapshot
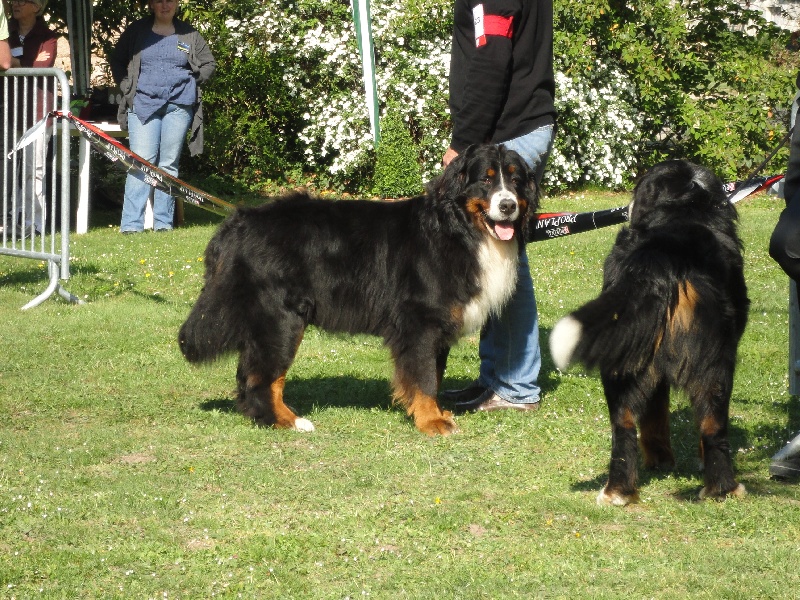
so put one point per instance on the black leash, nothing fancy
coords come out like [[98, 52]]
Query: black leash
[[785, 139], [763, 164]]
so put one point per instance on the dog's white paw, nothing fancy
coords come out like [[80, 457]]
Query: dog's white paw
[[301, 424], [563, 339], [613, 499], [738, 492]]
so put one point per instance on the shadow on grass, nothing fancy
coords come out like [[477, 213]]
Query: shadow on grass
[[32, 276], [306, 395], [108, 216], [792, 420], [685, 444]]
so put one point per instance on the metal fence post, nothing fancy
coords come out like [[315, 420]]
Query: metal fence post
[[28, 230]]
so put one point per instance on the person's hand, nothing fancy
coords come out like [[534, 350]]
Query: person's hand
[[44, 55], [448, 156]]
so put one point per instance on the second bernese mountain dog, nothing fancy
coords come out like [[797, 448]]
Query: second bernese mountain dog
[[671, 312], [419, 273]]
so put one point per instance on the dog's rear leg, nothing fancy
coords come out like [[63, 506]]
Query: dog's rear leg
[[711, 407], [623, 469], [654, 430], [261, 378], [415, 386]]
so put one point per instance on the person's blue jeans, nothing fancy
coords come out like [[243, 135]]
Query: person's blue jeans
[[159, 141], [509, 348]]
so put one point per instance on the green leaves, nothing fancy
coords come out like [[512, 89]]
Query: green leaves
[[636, 82], [397, 171], [711, 77]]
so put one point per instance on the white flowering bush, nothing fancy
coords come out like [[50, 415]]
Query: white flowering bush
[[599, 131], [288, 98], [315, 42]]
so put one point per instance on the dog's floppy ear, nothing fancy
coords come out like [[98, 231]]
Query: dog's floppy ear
[[452, 182], [529, 219]]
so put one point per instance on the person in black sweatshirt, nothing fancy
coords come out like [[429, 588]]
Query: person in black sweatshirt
[[502, 91], [784, 248]]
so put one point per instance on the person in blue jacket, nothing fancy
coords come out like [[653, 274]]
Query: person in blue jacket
[[159, 63]]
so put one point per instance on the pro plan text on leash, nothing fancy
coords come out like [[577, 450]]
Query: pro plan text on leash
[[672, 310], [419, 273]]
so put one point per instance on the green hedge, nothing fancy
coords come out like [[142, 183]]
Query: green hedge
[[704, 80]]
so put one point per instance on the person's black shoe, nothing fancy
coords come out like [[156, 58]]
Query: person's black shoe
[[472, 391], [488, 401], [786, 462]]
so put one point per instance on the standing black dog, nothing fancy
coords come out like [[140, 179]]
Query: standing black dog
[[673, 308], [419, 273]]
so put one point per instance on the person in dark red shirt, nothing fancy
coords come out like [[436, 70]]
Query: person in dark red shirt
[[5, 49], [33, 44], [502, 91]]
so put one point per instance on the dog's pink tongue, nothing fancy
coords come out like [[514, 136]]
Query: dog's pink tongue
[[505, 231]]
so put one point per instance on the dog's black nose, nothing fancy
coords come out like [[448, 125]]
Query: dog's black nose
[[507, 206]]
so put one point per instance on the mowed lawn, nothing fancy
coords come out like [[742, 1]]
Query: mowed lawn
[[126, 473]]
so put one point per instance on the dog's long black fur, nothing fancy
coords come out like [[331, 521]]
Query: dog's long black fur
[[672, 310], [414, 272]]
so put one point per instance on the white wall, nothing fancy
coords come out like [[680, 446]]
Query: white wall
[[784, 13]]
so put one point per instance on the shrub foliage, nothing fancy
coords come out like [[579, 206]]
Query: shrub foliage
[[706, 80]]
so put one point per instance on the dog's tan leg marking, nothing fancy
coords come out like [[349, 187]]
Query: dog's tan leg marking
[[429, 418], [278, 414], [627, 419], [424, 409], [709, 426], [284, 417]]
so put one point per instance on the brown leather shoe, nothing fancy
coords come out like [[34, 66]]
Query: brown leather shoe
[[489, 401], [472, 391]]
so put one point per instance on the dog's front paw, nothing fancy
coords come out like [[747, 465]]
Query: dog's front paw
[[607, 498], [439, 425], [301, 424]]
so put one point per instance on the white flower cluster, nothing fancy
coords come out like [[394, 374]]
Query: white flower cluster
[[598, 128]]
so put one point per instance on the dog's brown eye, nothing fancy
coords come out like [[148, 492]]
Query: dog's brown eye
[[487, 179]]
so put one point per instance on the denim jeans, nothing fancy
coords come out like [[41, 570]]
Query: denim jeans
[[509, 348], [159, 141]]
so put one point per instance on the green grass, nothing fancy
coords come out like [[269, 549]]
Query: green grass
[[126, 473]]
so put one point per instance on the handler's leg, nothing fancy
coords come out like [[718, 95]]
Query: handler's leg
[[144, 140], [509, 348], [176, 121]]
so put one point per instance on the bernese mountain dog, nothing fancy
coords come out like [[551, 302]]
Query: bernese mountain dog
[[671, 312], [419, 273]]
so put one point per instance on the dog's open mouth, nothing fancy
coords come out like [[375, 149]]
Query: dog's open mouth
[[502, 230]]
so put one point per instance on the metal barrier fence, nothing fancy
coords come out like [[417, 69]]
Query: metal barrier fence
[[35, 218]]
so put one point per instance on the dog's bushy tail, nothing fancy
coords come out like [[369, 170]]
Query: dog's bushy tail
[[217, 322], [620, 330]]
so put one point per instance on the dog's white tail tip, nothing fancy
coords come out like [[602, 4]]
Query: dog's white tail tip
[[563, 340]]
